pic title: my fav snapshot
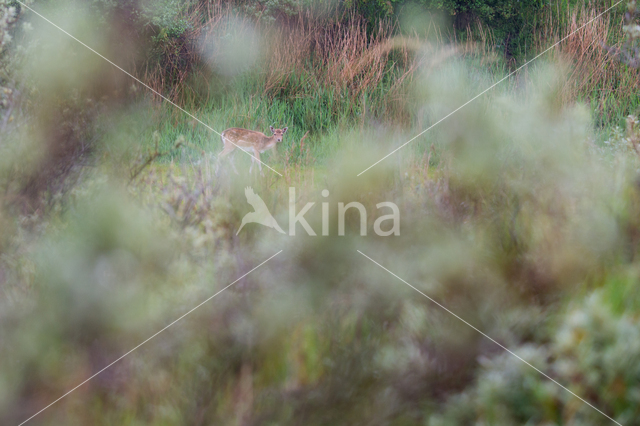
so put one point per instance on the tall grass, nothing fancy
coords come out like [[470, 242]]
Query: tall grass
[[312, 75], [309, 54], [596, 78]]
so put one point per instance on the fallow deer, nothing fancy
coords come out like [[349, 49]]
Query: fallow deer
[[250, 141]]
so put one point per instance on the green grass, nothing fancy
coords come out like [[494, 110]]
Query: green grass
[[334, 118], [325, 113]]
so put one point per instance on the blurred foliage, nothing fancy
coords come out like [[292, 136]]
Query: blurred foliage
[[9, 15], [513, 216], [511, 21], [593, 353], [514, 24]]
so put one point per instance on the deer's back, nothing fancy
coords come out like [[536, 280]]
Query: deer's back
[[238, 134]]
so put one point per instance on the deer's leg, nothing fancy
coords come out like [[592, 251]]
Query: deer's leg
[[228, 149], [257, 158], [253, 160], [233, 164]]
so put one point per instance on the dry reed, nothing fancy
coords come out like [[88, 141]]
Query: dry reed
[[595, 75]]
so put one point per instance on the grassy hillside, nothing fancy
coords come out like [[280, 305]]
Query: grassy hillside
[[128, 294]]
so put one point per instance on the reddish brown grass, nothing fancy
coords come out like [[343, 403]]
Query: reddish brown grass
[[594, 74]]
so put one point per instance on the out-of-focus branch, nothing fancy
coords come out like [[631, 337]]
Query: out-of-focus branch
[[152, 156]]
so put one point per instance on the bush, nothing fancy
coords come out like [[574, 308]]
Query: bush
[[512, 217]]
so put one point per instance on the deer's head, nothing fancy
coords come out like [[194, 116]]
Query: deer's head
[[278, 133]]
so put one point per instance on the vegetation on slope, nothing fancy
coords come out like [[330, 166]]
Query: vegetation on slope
[[519, 213]]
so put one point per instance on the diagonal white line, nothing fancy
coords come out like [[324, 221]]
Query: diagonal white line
[[494, 341], [486, 90], [145, 85], [172, 323]]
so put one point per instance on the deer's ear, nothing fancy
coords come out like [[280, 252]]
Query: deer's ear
[[271, 128], [284, 130]]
